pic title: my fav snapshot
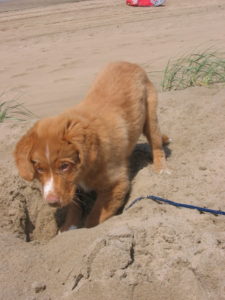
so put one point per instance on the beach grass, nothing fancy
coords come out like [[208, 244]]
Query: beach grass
[[13, 111], [196, 69]]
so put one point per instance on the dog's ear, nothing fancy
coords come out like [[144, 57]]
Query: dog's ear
[[22, 155], [75, 133]]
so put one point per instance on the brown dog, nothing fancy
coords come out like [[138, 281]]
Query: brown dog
[[90, 144]]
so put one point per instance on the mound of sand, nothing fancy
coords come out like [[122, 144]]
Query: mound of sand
[[150, 251]]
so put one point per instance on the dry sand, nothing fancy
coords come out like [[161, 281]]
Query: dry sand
[[49, 56]]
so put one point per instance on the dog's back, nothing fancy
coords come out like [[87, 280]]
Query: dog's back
[[120, 95]]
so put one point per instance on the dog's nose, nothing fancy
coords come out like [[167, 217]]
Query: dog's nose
[[52, 199]]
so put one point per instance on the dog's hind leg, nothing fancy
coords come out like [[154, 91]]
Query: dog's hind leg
[[152, 130]]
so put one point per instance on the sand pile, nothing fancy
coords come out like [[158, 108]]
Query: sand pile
[[151, 251]]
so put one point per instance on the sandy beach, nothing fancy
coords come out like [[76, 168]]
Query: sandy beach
[[18, 5], [50, 53]]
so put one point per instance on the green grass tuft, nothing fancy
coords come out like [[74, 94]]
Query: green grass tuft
[[12, 110], [200, 69]]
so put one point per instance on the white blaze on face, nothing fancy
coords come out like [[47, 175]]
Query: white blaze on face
[[47, 153], [48, 187]]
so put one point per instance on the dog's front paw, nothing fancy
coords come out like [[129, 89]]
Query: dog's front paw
[[67, 228], [165, 171], [161, 169]]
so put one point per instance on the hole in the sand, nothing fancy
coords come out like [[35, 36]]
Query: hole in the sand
[[28, 226]]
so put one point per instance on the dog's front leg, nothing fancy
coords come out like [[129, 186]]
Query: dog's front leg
[[108, 202], [73, 217]]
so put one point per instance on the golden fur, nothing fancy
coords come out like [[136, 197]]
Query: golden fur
[[90, 144]]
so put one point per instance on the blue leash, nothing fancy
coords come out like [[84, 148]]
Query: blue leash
[[159, 199]]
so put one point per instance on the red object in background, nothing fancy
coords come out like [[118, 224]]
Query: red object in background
[[140, 2], [145, 2]]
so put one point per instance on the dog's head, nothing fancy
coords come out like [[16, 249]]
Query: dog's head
[[52, 152]]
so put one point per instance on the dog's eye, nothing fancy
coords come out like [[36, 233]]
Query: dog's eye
[[64, 167]]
